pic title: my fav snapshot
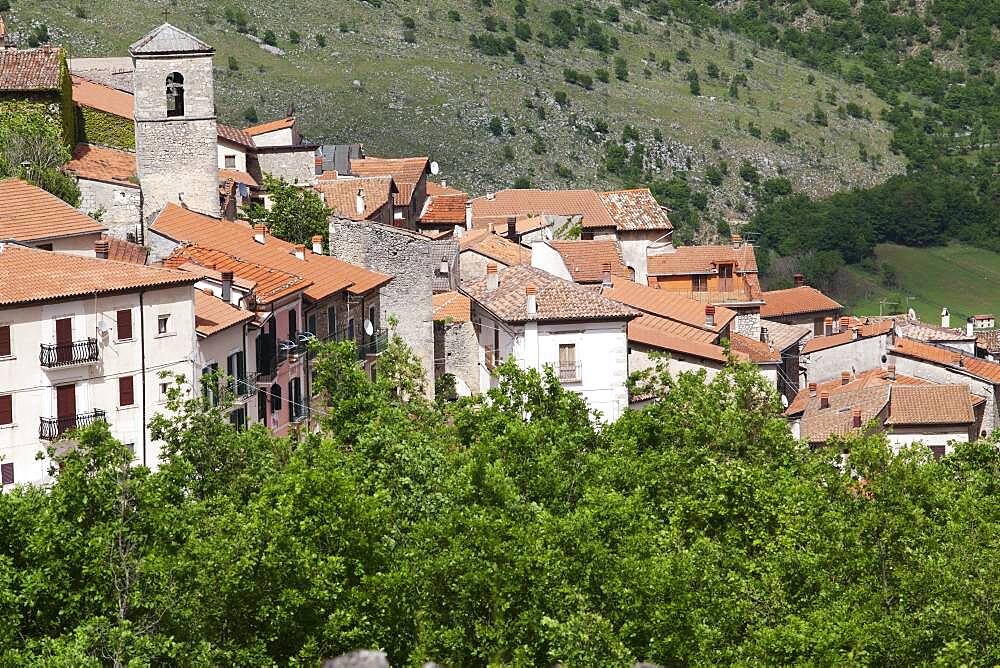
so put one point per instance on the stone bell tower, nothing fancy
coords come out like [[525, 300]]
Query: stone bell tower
[[175, 128]]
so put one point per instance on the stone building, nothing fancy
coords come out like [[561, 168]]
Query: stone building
[[456, 343], [175, 126]]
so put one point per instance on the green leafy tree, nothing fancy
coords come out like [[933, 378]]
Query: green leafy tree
[[296, 214]]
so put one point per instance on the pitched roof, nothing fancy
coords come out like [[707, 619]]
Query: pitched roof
[[168, 39], [636, 210], [585, 260], [758, 351], [664, 304], [29, 213], [819, 424], [30, 275], [30, 69], [270, 126], [452, 306], [327, 275], [795, 301], [864, 328], [341, 195], [235, 136], [444, 210], [494, 247], [973, 366], [238, 177], [406, 172], [522, 225], [125, 251], [923, 331], [557, 299], [686, 260], [212, 315], [98, 163], [91, 94], [930, 404], [781, 335], [268, 284], [860, 381], [661, 333], [434, 188], [531, 202], [989, 341]]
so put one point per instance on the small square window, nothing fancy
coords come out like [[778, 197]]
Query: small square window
[[162, 323], [164, 389], [230, 162]]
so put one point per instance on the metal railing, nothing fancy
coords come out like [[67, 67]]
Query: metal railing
[[73, 352], [375, 345], [50, 429], [243, 387], [570, 372], [717, 296]]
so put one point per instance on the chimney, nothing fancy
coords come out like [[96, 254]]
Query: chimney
[[763, 334], [945, 317], [101, 249], [856, 418], [531, 299], [300, 251], [359, 202], [828, 326], [844, 323], [845, 377], [443, 268], [812, 389], [710, 316], [490, 197], [468, 214], [891, 374], [737, 241], [800, 280], [824, 399], [492, 278], [317, 242], [512, 228], [444, 184], [259, 233], [606, 274], [227, 286], [969, 328], [960, 360]]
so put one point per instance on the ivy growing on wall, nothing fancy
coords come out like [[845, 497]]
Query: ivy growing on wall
[[99, 127]]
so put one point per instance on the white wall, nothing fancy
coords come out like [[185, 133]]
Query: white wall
[[639, 360], [856, 356], [283, 137], [547, 258], [96, 383], [944, 375], [82, 244], [902, 436], [225, 148]]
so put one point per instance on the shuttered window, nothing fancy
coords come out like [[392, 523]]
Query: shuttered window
[[124, 324], [126, 391], [4, 340], [6, 408], [937, 451], [7, 473]]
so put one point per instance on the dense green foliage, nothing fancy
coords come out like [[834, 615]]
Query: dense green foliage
[[296, 214], [504, 529], [31, 148], [99, 127]]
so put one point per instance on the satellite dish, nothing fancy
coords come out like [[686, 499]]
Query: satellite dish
[[911, 314], [435, 168], [784, 401], [369, 327], [103, 328]]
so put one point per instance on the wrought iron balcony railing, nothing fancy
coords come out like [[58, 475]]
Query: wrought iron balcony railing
[[50, 429], [74, 352], [570, 372], [375, 345]]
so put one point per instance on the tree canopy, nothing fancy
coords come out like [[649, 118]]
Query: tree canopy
[[296, 214]]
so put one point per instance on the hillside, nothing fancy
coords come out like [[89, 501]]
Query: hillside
[[425, 89]]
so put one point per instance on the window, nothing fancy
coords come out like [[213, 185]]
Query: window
[[725, 278], [568, 369], [6, 409], [275, 398], [699, 284], [496, 345], [7, 473], [162, 324], [331, 322], [262, 406], [311, 324], [175, 94], [131, 447], [209, 385], [230, 162], [937, 451], [126, 391], [295, 408], [164, 391], [238, 418], [236, 370], [124, 318], [818, 327], [350, 329], [293, 324], [4, 340]]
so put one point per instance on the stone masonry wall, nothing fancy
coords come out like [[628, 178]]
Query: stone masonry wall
[[121, 205], [457, 353], [294, 166]]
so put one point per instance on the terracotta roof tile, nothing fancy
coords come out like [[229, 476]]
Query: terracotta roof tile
[[522, 224], [664, 304], [98, 163], [795, 301], [238, 177], [585, 260], [557, 299], [434, 189], [636, 210], [930, 404], [270, 126], [269, 284], [922, 331], [864, 329], [702, 260], [341, 195], [819, 424], [989, 341], [781, 335], [444, 210], [758, 351], [672, 336], [531, 203], [30, 69], [103, 98], [28, 213], [235, 136], [863, 380], [974, 366], [675, 329], [212, 315], [326, 274], [406, 172], [29, 275], [452, 306], [126, 251], [494, 247]]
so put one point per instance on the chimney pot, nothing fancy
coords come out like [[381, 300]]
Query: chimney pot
[[845, 323], [800, 280], [317, 244], [710, 316], [259, 233], [606, 274], [300, 251], [763, 335], [227, 286], [512, 228], [812, 389], [737, 240], [824, 399], [492, 279], [892, 371], [102, 248], [359, 202], [845, 377], [856, 418], [531, 299]]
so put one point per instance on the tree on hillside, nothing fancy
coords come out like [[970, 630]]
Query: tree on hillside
[[296, 214]]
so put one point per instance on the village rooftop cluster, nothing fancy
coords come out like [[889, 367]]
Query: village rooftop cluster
[[167, 278]]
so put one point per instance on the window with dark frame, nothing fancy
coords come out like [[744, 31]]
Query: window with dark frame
[[124, 321], [331, 322], [275, 398], [5, 350], [293, 325], [175, 95], [126, 391], [230, 162], [699, 283], [162, 324], [6, 409], [7, 473]]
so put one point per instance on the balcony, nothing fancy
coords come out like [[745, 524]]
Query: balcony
[[266, 375], [718, 296], [375, 345], [244, 387], [65, 354], [50, 429], [570, 372]]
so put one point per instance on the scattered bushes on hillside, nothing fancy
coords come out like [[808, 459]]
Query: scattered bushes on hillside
[[492, 45]]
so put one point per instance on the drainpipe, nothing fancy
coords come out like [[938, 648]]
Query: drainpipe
[[142, 354]]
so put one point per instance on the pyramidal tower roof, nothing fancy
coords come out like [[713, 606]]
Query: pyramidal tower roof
[[168, 39]]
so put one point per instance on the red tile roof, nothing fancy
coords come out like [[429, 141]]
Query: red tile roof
[[495, 247], [30, 69], [864, 331], [434, 188], [212, 315], [687, 260], [989, 341], [29, 213], [531, 202], [676, 329], [783, 336], [238, 177], [340, 195], [327, 275], [452, 306], [662, 333], [861, 381], [91, 94], [758, 351], [930, 405], [585, 260], [125, 251], [667, 305], [974, 366], [29, 275], [557, 299], [636, 210], [406, 172], [819, 424], [270, 126], [98, 163], [522, 225], [795, 301], [235, 136], [269, 284], [444, 210]]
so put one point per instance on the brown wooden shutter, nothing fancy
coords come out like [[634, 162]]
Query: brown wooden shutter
[[7, 473], [6, 409], [125, 324], [4, 340], [126, 392]]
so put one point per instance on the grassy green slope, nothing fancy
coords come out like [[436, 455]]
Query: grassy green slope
[[965, 279], [436, 96]]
